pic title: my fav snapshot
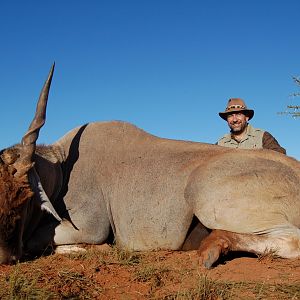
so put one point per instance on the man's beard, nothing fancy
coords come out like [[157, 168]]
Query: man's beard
[[239, 129]]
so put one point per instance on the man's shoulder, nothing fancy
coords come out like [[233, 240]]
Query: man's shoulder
[[254, 131], [225, 138]]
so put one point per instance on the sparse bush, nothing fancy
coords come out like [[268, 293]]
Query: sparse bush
[[293, 110]]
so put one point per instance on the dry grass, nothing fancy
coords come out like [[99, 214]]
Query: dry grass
[[268, 255], [35, 284], [208, 289], [119, 274], [21, 286]]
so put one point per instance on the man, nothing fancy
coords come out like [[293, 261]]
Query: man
[[242, 135]]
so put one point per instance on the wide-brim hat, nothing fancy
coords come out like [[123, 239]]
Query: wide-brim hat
[[236, 105]]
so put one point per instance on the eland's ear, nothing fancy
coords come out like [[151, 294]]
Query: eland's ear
[[41, 195], [10, 155], [28, 144]]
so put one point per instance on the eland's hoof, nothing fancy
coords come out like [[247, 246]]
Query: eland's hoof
[[209, 256], [211, 248]]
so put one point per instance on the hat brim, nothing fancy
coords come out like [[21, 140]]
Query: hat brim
[[248, 112]]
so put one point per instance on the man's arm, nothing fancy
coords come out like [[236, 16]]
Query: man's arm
[[269, 142]]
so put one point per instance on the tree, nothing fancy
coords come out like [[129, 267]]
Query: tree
[[293, 110]]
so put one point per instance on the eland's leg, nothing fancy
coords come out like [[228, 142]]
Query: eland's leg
[[284, 242], [197, 232], [53, 234]]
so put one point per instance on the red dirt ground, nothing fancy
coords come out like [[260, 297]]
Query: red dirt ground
[[113, 274]]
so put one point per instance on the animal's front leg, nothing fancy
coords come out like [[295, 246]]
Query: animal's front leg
[[41, 238], [51, 234]]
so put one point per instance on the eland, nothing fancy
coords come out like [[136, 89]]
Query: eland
[[106, 178]]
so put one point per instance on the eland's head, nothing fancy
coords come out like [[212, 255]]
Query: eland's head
[[16, 176]]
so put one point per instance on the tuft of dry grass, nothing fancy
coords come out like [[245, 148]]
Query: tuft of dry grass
[[205, 289], [208, 289], [126, 257], [148, 273], [268, 255]]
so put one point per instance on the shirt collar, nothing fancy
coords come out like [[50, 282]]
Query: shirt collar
[[249, 132]]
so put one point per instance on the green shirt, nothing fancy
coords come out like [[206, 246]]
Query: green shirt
[[252, 139]]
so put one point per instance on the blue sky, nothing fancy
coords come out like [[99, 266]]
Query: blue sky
[[166, 66]]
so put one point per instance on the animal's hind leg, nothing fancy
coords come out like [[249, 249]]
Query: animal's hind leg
[[285, 243]]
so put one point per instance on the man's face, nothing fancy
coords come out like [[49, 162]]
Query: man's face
[[237, 122]]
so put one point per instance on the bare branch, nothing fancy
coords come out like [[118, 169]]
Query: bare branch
[[293, 110]]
